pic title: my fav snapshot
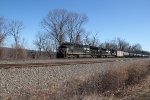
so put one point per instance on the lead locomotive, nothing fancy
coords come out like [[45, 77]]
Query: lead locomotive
[[70, 50]]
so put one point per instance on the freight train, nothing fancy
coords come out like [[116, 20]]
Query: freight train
[[70, 50]]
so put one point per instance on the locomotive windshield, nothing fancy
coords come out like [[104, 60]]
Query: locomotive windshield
[[63, 46]]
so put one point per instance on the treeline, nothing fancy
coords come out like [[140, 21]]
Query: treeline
[[13, 29], [58, 26]]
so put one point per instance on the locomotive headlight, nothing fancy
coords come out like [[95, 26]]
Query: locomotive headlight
[[107, 51], [86, 49]]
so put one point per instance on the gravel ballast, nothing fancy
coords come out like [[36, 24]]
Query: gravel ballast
[[15, 79]]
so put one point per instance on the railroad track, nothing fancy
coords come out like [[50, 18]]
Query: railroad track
[[28, 65]]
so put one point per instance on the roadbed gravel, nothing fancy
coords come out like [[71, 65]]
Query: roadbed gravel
[[60, 60], [16, 79]]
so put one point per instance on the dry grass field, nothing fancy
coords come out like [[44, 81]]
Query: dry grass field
[[113, 80]]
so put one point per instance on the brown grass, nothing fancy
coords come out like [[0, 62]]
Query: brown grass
[[114, 82]]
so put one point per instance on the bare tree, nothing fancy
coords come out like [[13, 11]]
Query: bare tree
[[94, 40], [91, 39], [75, 26], [136, 48], [49, 47], [117, 44], [55, 24], [3, 32], [122, 44], [44, 43], [109, 45], [38, 42], [78, 39], [14, 29], [62, 25], [2, 35], [86, 39]]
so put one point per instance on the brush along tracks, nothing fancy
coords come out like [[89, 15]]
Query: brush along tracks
[[28, 65]]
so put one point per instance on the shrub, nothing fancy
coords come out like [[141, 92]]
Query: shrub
[[1, 53], [113, 81]]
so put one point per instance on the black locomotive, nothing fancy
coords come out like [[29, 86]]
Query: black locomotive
[[70, 50]]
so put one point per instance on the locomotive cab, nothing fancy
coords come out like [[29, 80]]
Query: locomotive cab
[[70, 50], [61, 52]]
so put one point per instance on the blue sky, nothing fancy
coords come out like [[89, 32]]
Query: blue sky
[[127, 19]]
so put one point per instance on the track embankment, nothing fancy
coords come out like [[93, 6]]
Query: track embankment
[[56, 62], [28, 83]]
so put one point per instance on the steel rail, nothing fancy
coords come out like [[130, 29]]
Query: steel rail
[[28, 65]]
